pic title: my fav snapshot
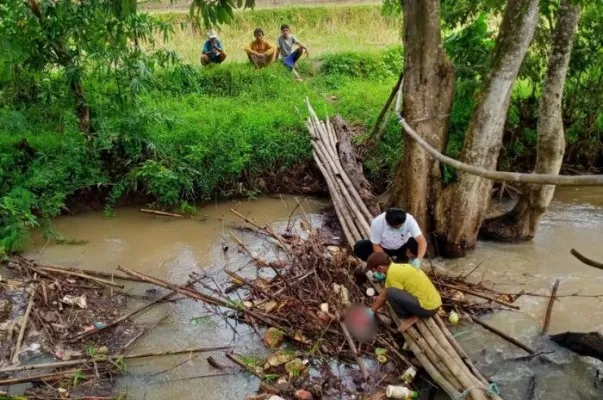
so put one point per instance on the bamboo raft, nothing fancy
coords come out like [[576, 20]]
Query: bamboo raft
[[430, 340]]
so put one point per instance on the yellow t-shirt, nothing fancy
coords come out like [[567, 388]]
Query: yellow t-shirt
[[414, 282], [263, 47]]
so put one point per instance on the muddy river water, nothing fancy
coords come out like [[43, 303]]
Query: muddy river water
[[171, 248]]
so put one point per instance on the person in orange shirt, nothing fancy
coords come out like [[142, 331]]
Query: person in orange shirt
[[260, 52]]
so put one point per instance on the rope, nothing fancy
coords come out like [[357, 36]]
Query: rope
[[492, 390]]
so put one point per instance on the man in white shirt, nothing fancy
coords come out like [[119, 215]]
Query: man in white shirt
[[391, 233]]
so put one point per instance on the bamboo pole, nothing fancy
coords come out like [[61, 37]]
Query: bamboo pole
[[442, 340], [15, 358], [433, 358], [533, 178], [70, 363], [460, 350], [549, 309], [465, 380], [434, 372]]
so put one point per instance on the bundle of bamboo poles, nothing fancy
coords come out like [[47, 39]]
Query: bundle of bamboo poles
[[430, 340]]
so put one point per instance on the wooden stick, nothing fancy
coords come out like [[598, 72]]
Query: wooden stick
[[502, 335], [235, 359], [15, 358], [358, 359], [586, 260], [549, 309], [80, 275], [386, 106], [163, 213], [533, 178], [71, 363], [120, 319], [42, 377], [477, 294], [124, 349]]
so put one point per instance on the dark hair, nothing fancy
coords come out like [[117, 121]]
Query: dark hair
[[258, 31], [284, 26], [377, 260], [395, 216], [413, 246]]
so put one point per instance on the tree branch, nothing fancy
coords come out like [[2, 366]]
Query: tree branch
[[538, 179]]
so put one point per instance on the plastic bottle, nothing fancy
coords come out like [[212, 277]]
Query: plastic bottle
[[400, 392]]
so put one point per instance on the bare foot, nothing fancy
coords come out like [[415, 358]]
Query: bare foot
[[407, 323]]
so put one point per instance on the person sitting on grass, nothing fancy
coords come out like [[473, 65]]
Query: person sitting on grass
[[260, 52], [289, 57], [213, 52], [407, 289]]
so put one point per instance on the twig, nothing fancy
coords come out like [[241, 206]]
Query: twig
[[350, 341], [163, 213], [549, 309]]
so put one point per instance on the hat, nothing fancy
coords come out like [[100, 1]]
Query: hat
[[377, 259], [212, 35]]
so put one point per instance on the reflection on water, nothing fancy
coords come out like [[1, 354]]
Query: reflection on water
[[171, 248]]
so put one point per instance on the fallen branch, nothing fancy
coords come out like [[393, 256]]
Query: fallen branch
[[358, 359], [549, 309], [477, 294], [120, 319], [585, 260], [42, 377], [503, 335], [80, 275], [533, 178]]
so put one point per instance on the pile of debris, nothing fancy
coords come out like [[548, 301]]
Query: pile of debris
[[71, 319]]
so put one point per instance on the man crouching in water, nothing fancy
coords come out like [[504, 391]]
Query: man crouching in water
[[408, 290]]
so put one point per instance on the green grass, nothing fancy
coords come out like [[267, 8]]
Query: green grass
[[324, 30]]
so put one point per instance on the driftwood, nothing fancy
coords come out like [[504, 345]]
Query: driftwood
[[533, 178], [586, 260], [503, 335], [549, 309], [162, 213], [585, 344]]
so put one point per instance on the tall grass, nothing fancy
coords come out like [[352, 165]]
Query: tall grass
[[323, 29]]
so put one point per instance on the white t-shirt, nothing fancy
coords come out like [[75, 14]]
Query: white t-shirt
[[391, 238]]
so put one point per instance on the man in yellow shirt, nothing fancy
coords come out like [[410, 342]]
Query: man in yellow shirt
[[408, 289], [260, 52]]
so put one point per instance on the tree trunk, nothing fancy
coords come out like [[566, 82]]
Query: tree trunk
[[522, 222], [81, 107], [427, 94], [462, 209]]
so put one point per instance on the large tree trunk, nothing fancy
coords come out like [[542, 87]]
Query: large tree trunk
[[522, 222], [462, 209], [427, 93]]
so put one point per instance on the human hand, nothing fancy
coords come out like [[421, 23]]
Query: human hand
[[416, 262]]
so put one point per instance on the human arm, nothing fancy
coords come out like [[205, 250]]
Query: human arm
[[249, 49], [422, 242], [375, 236], [380, 300]]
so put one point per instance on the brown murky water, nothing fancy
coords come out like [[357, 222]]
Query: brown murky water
[[171, 248]]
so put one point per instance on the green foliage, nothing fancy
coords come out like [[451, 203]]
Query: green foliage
[[364, 65]]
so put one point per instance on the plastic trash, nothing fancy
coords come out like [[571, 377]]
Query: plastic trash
[[79, 301], [399, 392]]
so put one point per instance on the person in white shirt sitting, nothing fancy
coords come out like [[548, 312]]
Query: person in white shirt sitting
[[391, 233]]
